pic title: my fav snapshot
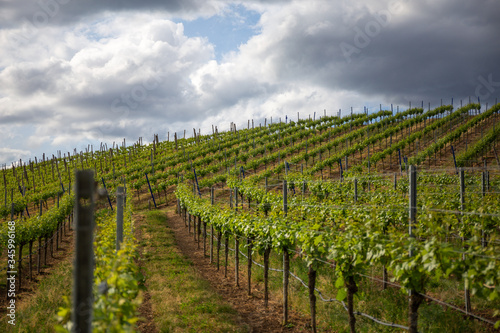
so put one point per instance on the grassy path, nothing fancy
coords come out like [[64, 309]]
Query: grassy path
[[177, 299]]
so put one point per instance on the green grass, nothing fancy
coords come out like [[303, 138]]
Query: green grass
[[181, 300], [184, 302], [390, 305], [37, 312]]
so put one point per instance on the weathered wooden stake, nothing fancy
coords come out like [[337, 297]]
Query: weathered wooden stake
[[355, 189], [30, 258], [267, 252], [84, 252], [415, 297], [226, 253], [286, 262], [219, 240], [39, 259], [212, 228], [462, 207], [119, 216], [249, 268], [236, 260], [312, 296]]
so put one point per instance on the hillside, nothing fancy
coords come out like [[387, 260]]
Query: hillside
[[363, 208]]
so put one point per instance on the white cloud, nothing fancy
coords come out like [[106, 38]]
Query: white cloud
[[10, 155], [144, 66], [105, 73]]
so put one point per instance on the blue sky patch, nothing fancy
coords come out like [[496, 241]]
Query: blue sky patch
[[227, 30]]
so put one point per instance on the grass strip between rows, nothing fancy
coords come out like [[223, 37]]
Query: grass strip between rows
[[181, 299]]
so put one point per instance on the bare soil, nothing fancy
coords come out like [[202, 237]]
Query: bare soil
[[250, 308], [145, 310]]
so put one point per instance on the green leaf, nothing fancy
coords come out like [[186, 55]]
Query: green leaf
[[339, 283], [318, 240], [341, 294]]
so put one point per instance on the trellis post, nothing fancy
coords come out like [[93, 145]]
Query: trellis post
[[84, 252]]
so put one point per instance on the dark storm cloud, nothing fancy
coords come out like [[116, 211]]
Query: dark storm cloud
[[81, 70], [43, 12], [55, 12], [32, 116], [418, 50], [439, 54]]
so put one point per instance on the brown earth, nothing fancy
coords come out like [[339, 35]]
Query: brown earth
[[250, 308], [145, 310]]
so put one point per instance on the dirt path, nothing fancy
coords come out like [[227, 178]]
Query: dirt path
[[145, 310], [250, 308]]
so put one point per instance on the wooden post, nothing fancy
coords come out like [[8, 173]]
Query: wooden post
[[236, 244], [52, 246], [267, 252], [484, 189], [57, 235], [219, 240], [194, 228], [39, 258], [119, 216], [198, 232], [355, 190], [236, 260], [236, 199], [212, 228], [30, 264], [204, 238], [249, 268], [20, 267], [226, 253], [84, 252], [152, 163], [462, 207], [412, 200], [286, 262], [312, 297], [415, 297]]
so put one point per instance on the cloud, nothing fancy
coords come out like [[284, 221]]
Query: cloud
[[139, 73], [101, 71], [401, 50], [66, 12], [9, 154]]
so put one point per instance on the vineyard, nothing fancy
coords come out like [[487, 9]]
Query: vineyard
[[381, 221]]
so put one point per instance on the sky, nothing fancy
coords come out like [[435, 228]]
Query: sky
[[74, 73]]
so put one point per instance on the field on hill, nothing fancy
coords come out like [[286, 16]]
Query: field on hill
[[385, 221]]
